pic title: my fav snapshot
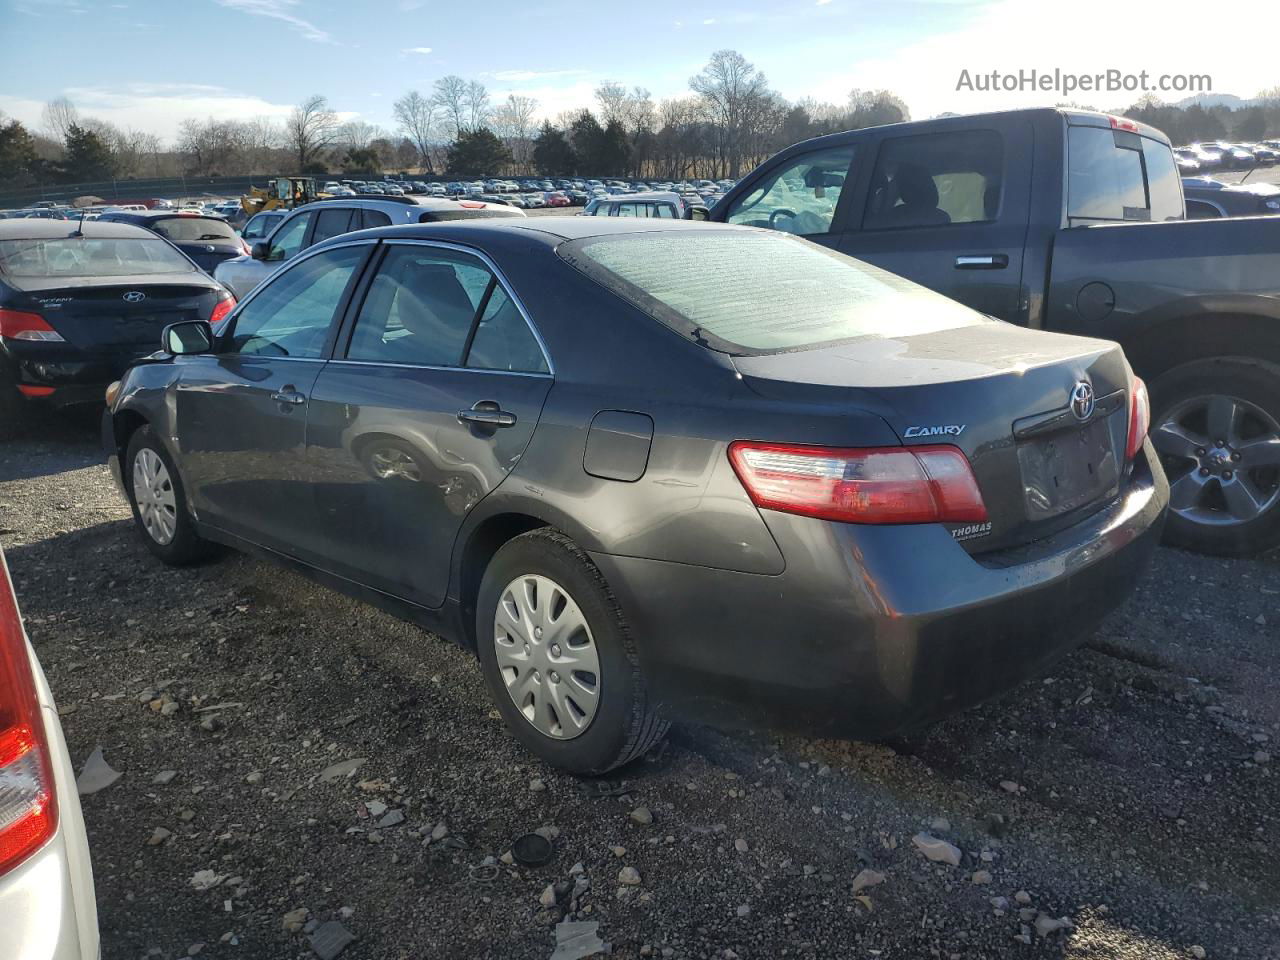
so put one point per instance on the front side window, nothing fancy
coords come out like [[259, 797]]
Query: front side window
[[291, 315], [420, 307], [800, 197], [287, 240], [331, 223], [936, 179]]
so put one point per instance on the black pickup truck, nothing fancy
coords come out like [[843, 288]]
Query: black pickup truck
[[1072, 221]]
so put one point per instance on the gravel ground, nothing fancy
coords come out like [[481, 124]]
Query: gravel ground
[[1126, 806]]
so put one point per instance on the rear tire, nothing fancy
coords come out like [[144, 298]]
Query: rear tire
[[1224, 499], [597, 734], [159, 501]]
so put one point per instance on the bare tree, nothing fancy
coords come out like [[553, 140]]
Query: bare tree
[[477, 102], [415, 118], [57, 116], [512, 121], [449, 95], [310, 129], [612, 97], [734, 91], [356, 134]]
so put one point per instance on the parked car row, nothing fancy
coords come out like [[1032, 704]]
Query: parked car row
[[1221, 155]]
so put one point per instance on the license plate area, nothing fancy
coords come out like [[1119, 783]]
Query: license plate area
[[1068, 469]]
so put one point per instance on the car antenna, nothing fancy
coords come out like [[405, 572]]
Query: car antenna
[[79, 230], [1246, 176]]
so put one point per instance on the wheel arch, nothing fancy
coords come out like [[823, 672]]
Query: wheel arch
[[1170, 341], [476, 546]]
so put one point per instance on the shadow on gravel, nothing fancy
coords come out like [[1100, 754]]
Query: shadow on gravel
[[47, 442]]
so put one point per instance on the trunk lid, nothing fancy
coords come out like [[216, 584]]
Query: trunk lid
[[1000, 393], [121, 318]]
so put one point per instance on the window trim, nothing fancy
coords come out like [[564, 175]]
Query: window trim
[[884, 143], [351, 313], [340, 310]]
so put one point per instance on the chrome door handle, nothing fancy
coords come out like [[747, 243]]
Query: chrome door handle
[[988, 261], [487, 413], [288, 396]]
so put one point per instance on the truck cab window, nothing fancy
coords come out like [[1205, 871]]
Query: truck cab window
[[1117, 175], [936, 179], [800, 197]]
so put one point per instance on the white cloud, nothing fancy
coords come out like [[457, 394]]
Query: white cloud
[[709, 21], [1010, 35], [527, 76], [280, 10], [153, 108], [424, 51], [822, 3]]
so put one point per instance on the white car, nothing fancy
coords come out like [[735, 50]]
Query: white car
[[47, 909]]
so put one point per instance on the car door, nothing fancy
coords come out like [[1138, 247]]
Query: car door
[[431, 398], [807, 194], [949, 210], [241, 411]]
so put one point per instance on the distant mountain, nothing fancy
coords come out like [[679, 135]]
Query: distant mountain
[[1228, 100]]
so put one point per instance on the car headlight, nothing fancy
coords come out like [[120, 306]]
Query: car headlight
[[1272, 204], [113, 390]]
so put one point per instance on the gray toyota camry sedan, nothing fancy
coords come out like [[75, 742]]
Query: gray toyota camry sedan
[[649, 469]]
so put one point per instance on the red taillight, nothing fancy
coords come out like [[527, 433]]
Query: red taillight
[[30, 390], [1139, 418], [28, 814], [18, 325], [925, 484], [221, 309]]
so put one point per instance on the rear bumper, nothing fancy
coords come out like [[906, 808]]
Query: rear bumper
[[73, 378], [877, 630]]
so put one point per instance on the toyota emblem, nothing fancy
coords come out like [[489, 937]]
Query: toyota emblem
[[134, 296], [1082, 401]]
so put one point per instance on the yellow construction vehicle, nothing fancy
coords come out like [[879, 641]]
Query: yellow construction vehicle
[[282, 193]]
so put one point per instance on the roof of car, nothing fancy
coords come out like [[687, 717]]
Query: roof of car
[[33, 228], [551, 230], [146, 216]]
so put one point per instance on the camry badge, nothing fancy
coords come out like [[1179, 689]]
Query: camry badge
[[942, 430], [134, 296], [1082, 400]]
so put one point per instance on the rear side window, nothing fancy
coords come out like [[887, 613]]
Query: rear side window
[[503, 341], [1118, 175], [419, 308], [374, 218], [773, 293], [936, 179]]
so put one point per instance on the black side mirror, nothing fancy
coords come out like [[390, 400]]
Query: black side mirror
[[260, 251], [697, 213], [187, 337]]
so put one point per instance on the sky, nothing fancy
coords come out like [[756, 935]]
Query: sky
[[147, 64]]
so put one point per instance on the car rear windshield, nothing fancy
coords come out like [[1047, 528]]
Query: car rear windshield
[[87, 257], [756, 291], [192, 229]]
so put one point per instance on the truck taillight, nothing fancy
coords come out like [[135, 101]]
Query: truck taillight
[[28, 814], [924, 484], [20, 325], [1139, 418]]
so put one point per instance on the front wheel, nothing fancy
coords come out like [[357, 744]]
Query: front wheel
[[159, 502], [1216, 427], [558, 659]]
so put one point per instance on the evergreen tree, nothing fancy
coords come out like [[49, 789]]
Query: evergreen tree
[[87, 158], [552, 153], [19, 163], [476, 152]]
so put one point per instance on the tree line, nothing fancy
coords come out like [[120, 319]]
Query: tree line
[[730, 120]]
